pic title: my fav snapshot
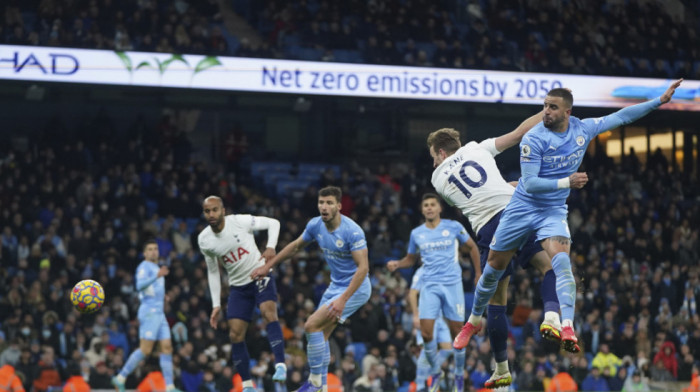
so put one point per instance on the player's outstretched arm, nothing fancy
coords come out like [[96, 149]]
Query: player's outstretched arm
[[512, 138], [632, 113], [361, 259], [408, 261], [288, 251]]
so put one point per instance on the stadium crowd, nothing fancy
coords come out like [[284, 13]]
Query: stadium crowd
[[603, 37], [80, 206], [152, 26]]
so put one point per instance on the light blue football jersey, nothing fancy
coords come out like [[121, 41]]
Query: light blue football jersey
[[439, 250], [555, 155], [337, 246], [150, 287]]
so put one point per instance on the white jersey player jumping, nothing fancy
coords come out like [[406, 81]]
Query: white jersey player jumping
[[467, 177], [229, 240]]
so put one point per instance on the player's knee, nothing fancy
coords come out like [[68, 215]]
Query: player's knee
[[544, 268], [146, 350], [269, 315], [166, 348], [310, 326], [236, 336], [497, 261], [427, 335]]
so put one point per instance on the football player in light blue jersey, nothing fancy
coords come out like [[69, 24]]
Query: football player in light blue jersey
[[550, 154], [441, 333], [438, 241], [150, 283], [344, 248]]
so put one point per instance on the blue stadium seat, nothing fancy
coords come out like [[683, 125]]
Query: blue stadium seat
[[696, 67], [628, 64], [192, 224], [312, 178], [292, 51], [319, 168], [359, 348], [29, 19], [291, 187], [347, 56], [310, 54], [231, 40], [400, 46], [668, 68], [292, 40], [151, 207]]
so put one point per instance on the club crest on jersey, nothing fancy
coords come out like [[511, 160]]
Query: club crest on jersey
[[580, 140], [445, 233], [525, 150], [339, 243]]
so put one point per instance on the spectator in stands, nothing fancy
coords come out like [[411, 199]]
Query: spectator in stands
[[604, 359], [617, 381], [75, 382], [48, 373], [636, 383], [667, 358], [595, 381], [9, 381]]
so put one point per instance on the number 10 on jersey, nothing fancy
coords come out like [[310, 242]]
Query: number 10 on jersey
[[466, 181]]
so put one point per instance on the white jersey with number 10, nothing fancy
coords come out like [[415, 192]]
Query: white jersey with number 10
[[470, 180]]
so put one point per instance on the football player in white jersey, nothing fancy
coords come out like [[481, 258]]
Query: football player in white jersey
[[467, 177], [229, 240]]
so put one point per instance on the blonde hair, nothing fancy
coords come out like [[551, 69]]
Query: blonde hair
[[446, 139]]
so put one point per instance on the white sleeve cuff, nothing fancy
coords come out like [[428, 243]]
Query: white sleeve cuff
[[563, 183], [490, 146]]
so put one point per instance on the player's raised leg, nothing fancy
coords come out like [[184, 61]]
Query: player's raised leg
[[498, 336], [485, 289], [550, 328], [558, 248]]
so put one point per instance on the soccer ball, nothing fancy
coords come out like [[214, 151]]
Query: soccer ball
[[87, 296]]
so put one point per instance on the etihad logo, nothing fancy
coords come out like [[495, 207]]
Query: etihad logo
[[437, 245], [559, 161], [162, 65]]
